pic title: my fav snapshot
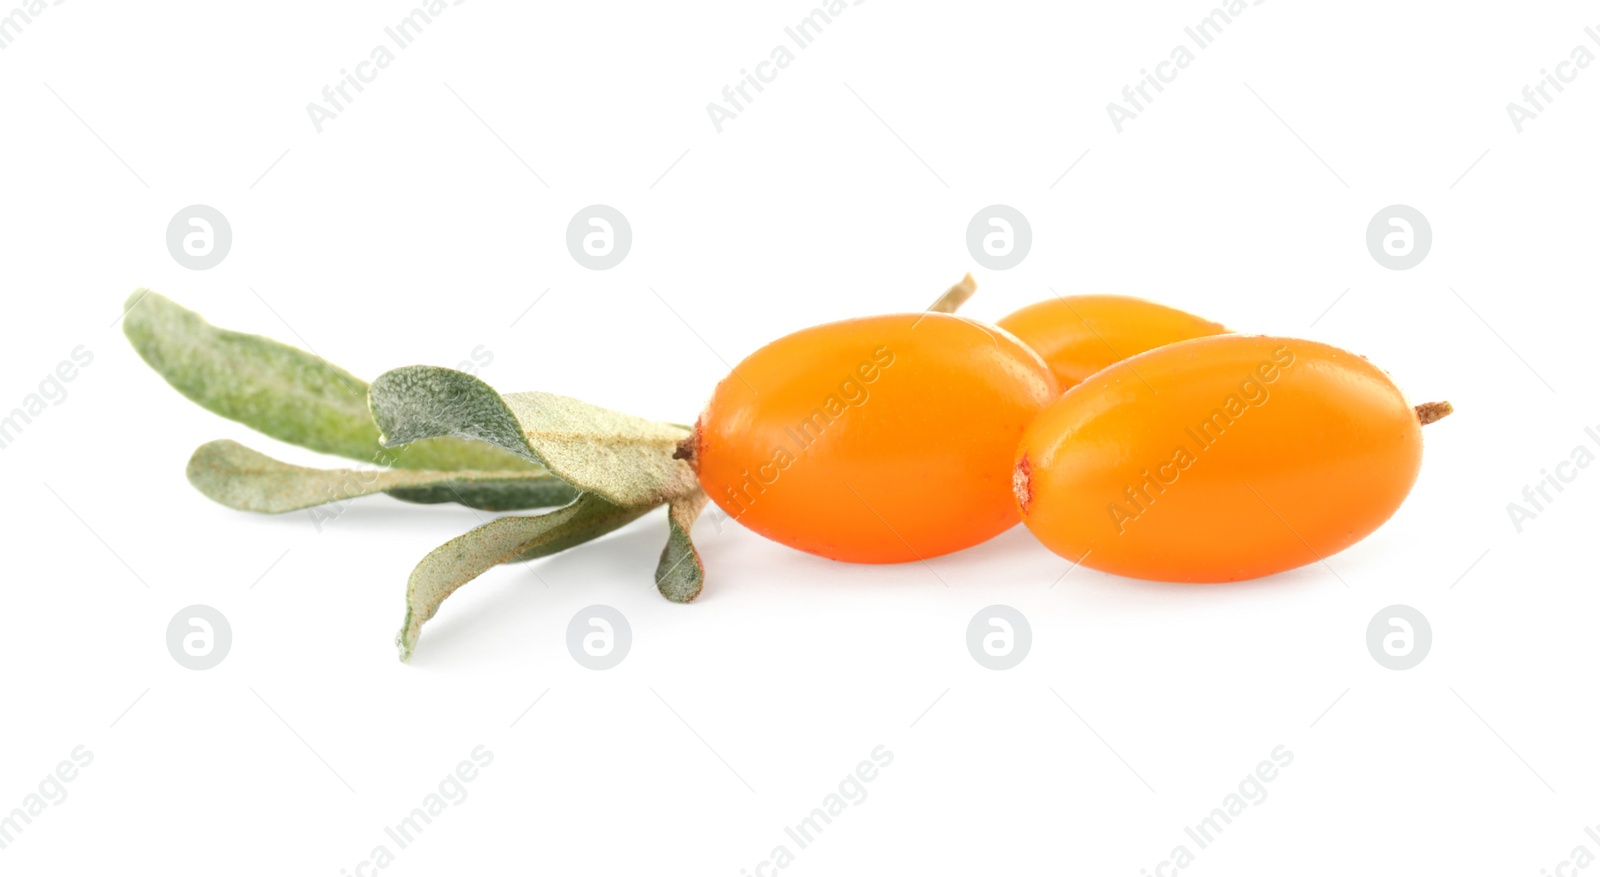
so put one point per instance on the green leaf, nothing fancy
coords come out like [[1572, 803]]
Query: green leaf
[[680, 574], [502, 540], [280, 390], [247, 480], [529, 490], [626, 459]]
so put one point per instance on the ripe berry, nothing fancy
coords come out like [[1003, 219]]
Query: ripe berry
[[874, 440], [1219, 459], [1082, 334]]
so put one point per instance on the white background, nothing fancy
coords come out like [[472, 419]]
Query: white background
[[411, 231]]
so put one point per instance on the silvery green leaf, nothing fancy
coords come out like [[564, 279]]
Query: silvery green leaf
[[625, 459], [532, 489], [680, 575], [502, 540], [248, 480], [280, 390]]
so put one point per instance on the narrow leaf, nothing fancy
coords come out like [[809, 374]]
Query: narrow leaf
[[680, 575], [529, 490], [626, 459], [502, 540], [282, 391], [244, 479]]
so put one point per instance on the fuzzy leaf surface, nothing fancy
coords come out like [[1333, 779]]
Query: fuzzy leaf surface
[[502, 540], [282, 391], [625, 459], [680, 574], [248, 480]]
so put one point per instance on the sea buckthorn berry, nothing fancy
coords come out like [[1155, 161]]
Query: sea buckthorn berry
[[1082, 334], [874, 440], [1220, 459]]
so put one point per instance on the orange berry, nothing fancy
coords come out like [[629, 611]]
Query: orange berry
[[1082, 334], [1220, 459], [874, 440]]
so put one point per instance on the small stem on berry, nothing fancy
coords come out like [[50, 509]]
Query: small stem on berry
[[689, 449], [1428, 412], [955, 296]]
